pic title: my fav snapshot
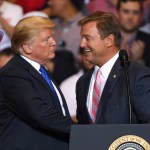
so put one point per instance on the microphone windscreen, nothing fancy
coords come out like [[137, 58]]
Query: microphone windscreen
[[123, 54]]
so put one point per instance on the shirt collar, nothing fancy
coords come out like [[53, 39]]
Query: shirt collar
[[33, 63], [106, 68]]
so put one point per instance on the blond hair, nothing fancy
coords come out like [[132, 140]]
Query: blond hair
[[26, 29]]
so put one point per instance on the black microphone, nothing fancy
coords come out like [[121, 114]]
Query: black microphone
[[123, 56]]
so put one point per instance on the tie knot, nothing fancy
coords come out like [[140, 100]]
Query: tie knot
[[98, 74], [42, 69]]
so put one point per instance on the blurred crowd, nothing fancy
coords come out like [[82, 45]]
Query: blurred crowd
[[69, 63]]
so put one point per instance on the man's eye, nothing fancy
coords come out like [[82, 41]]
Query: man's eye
[[46, 39], [136, 12]]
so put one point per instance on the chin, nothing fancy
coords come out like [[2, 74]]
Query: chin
[[51, 56]]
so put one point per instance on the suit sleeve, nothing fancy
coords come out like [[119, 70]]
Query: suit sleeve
[[79, 105], [23, 99], [141, 95]]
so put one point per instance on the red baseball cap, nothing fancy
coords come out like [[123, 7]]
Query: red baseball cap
[[1, 35]]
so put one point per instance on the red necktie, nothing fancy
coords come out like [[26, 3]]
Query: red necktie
[[96, 95]]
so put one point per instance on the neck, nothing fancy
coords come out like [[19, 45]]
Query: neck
[[107, 57]]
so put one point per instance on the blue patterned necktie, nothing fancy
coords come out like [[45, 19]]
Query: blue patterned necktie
[[48, 80]]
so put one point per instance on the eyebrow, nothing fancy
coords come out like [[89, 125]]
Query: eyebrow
[[134, 11]]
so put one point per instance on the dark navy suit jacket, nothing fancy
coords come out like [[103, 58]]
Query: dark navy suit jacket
[[145, 38], [29, 119], [113, 107]]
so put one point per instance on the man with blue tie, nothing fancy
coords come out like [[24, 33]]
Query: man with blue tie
[[33, 111]]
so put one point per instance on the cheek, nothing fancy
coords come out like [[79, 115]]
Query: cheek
[[137, 20], [123, 17]]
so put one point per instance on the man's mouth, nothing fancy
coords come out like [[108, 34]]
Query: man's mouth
[[87, 50]]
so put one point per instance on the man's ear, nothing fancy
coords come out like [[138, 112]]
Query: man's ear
[[27, 49], [109, 40]]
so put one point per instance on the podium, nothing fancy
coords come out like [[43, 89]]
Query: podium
[[110, 137]]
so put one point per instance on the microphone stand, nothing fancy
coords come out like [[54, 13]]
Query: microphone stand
[[128, 94], [125, 64]]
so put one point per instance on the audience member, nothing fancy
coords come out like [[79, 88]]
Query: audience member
[[33, 111], [110, 6], [5, 56], [101, 93], [35, 13], [67, 13], [102, 5], [31, 5], [45, 11], [68, 85], [146, 28], [10, 14], [146, 11], [134, 41], [64, 65]]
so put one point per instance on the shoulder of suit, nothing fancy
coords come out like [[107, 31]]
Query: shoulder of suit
[[86, 75], [137, 68], [143, 36], [13, 68]]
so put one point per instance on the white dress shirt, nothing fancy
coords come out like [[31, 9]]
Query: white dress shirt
[[105, 70]]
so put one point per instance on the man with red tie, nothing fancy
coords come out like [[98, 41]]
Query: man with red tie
[[101, 93]]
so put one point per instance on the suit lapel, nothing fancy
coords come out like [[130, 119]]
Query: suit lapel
[[33, 72], [85, 95], [109, 86], [37, 75], [28, 67], [62, 96]]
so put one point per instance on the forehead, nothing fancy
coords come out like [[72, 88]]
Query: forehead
[[89, 27], [45, 33]]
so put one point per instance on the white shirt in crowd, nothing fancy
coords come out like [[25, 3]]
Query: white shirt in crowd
[[12, 13], [68, 87]]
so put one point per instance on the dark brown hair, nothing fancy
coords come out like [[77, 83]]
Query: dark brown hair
[[107, 24], [125, 1]]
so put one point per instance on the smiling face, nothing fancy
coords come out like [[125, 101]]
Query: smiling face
[[94, 47], [42, 47]]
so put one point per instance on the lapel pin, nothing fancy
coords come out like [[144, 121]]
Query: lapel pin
[[114, 76]]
